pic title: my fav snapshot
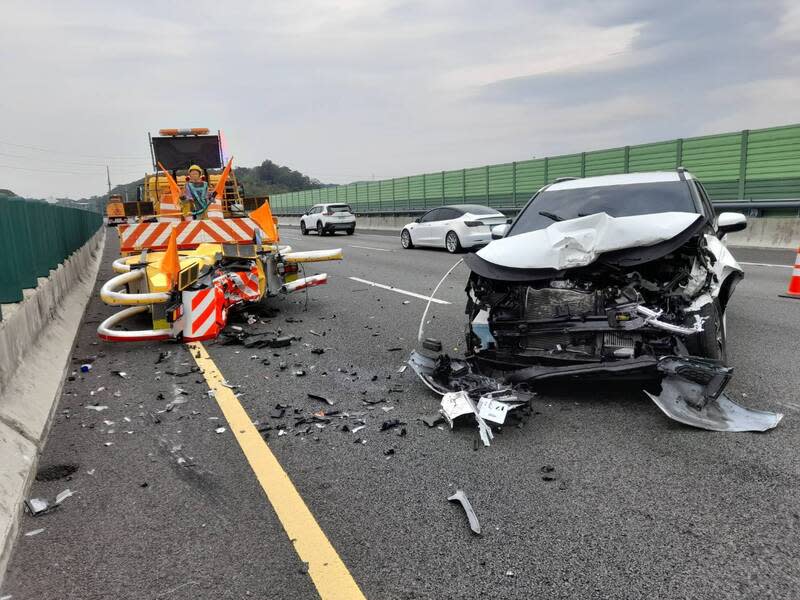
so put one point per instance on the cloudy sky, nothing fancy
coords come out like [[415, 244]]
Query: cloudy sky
[[363, 89]]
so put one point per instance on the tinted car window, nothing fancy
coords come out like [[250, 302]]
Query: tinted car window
[[445, 214], [615, 200], [707, 206], [339, 208], [434, 215]]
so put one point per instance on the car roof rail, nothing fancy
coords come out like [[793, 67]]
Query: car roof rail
[[560, 179]]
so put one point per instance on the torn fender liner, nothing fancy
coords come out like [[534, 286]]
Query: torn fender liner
[[526, 257], [691, 393]]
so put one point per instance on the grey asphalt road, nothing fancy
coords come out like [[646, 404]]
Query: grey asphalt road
[[640, 507]]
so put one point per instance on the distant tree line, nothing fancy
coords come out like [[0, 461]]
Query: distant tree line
[[270, 178]]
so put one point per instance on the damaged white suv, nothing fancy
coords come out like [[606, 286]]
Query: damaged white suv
[[607, 276]]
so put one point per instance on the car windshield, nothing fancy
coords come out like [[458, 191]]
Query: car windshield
[[334, 208], [615, 200]]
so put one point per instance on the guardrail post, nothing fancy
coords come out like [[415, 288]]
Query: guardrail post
[[546, 161], [394, 197], [443, 202], [463, 185], [514, 183], [424, 192], [626, 160], [583, 164], [487, 184], [678, 152], [743, 163]]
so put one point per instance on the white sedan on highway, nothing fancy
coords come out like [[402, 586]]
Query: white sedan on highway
[[453, 227]]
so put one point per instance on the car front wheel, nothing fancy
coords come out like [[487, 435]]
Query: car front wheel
[[405, 239], [711, 342], [303, 228], [452, 242]]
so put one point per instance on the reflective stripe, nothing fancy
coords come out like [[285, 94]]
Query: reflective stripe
[[154, 236]]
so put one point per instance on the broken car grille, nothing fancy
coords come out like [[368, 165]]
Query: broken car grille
[[549, 303]]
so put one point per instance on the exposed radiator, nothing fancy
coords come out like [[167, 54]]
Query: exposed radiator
[[550, 303]]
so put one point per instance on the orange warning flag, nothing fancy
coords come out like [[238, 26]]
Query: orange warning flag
[[174, 189], [219, 189], [263, 218], [171, 264]]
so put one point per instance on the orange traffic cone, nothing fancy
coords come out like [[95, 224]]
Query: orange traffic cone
[[794, 282]]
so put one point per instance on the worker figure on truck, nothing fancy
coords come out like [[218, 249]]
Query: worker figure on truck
[[197, 193]]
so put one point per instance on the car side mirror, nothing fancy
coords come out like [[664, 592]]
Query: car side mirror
[[418, 219], [728, 222], [500, 231]]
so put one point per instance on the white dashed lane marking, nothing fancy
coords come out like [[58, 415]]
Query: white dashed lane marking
[[398, 290]]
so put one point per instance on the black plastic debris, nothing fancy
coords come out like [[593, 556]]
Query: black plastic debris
[[432, 344], [461, 498], [317, 351], [389, 452], [391, 424], [162, 356], [321, 399], [396, 349], [277, 412], [191, 371]]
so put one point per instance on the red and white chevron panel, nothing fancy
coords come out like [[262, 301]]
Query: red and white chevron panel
[[154, 236], [246, 284], [172, 208], [204, 314]]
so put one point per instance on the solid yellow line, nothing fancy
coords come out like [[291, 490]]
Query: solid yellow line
[[327, 570]]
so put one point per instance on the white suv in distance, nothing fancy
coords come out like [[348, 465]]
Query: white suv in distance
[[328, 218]]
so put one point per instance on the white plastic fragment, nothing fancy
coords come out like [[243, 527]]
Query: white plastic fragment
[[96, 407], [219, 430], [64, 495], [29, 534]]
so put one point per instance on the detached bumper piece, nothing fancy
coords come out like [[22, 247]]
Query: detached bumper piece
[[692, 393]]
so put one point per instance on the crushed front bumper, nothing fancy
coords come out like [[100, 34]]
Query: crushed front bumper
[[691, 387]]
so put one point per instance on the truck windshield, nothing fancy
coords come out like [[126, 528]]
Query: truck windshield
[[615, 200]]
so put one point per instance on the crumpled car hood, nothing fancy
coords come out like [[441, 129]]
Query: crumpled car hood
[[579, 242]]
